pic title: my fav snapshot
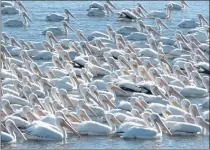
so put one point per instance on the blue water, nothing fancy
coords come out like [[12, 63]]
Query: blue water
[[39, 10]]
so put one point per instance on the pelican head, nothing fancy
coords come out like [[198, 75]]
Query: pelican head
[[106, 101], [108, 9], [13, 129], [69, 13], [153, 72], [67, 26], [5, 37], [50, 36], [29, 114], [174, 102], [82, 104], [200, 16], [61, 123], [38, 110], [159, 23], [56, 61], [135, 113], [155, 118], [81, 35], [140, 5], [185, 104], [26, 17], [200, 121], [82, 115], [109, 28], [35, 69], [46, 45], [64, 97], [188, 118], [169, 10], [7, 107], [33, 99], [112, 121], [135, 104], [35, 78], [194, 110], [14, 42]]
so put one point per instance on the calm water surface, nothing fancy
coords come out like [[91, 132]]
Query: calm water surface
[[39, 10]]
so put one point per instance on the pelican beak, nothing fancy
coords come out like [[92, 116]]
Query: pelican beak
[[82, 35], [201, 17], [143, 8], [18, 132], [153, 30], [176, 104], [3, 48], [115, 121], [111, 4], [164, 126], [28, 18], [95, 100], [126, 72], [163, 24], [21, 5], [85, 74], [71, 15], [40, 104], [183, 2], [138, 104], [68, 99], [110, 103], [11, 111], [85, 116], [38, 71], [53, 38], [114, 87], [96, 93], [109, 10], [67, 57], [73, 118], [168, 112], [90, 109], [52, 74], [69, 27], [68, 126]]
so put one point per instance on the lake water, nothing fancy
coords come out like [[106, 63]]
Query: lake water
[[38, 10]]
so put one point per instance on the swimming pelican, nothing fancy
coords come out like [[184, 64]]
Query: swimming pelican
[[98, 11], [13, 130], [190, 23], [58, 31], [146, 132], [176, 6], [17, 22], [60, 17], [161, 15]]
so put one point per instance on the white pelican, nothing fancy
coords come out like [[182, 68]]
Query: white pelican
[[9, 8], [58, 31], [126, 15], [17, 22], [146, 132], [176, 6], [190, 23], [161, 15], [100, 11], [13, 130], [60, 17], [90, 127]]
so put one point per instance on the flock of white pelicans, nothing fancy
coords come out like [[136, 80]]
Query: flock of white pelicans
[[131, 82]]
